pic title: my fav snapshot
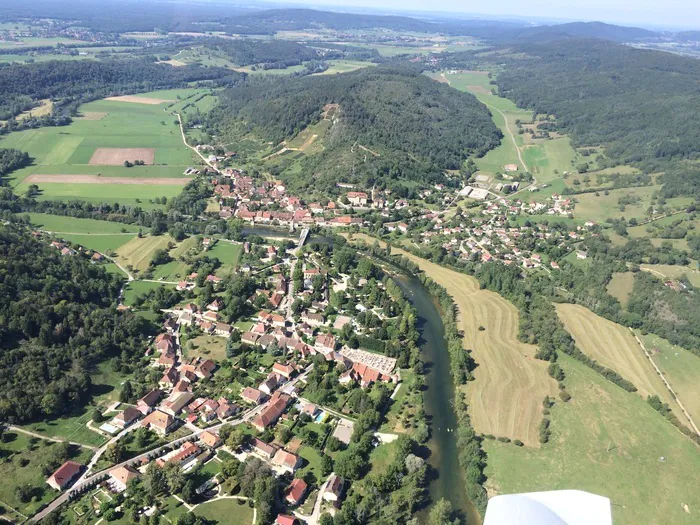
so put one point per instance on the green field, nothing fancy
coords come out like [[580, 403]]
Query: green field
[[38, 42], [681, 369], [226, 511], [345, 66], [229, 254], [598, 207], [620, 286], [102, 243], [14, 475], [63, 224], [107, 124], [669, 271], [136, 288], [608, 442]]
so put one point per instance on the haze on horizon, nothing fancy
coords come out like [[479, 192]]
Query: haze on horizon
[[649, 13]]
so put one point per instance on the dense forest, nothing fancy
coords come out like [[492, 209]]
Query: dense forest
[[75, 82], [642, 106], [392, 123], [278, 52], [57, 321]]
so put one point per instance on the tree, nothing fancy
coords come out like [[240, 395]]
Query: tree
[[189, 492], [442, 514], [115, 452], [127, 393], [97, 416]]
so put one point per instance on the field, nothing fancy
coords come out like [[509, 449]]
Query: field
[[96, 147], [609, 442], [14, 475], [600, 207], [614, 346], [681, 369], [345, 66], [620, 286], [138, 253], [226, 511], [207, 347], [668, 271], [229, 254], [505, 399], [135, 288], [61, 224], [175, 270]]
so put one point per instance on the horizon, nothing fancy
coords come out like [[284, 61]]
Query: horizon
[[681, 14]]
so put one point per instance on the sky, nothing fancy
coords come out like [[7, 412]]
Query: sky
[[647, 13]]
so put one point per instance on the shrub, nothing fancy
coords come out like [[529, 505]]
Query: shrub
[[564, 395], [518, 443]]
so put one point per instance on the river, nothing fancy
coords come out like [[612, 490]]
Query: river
[[438, 402]]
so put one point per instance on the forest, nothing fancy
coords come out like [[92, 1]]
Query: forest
[[640, 105], [413, 127], [275, 52], [74, 82], [57, 322]]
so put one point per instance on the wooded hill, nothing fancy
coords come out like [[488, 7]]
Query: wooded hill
[[415, 126], [640, 105], [57, 321]]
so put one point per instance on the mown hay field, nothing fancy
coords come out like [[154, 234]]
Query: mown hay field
[[609, 442], [614, 346], [138, 252], [505, 399]]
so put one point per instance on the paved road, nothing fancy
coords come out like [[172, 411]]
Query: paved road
[[316, 513], [86, 481]]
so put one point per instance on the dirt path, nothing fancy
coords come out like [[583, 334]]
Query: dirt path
[[668, 385], [184, 140]]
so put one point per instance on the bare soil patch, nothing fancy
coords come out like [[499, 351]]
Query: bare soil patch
[[479, 90], [97, 179], [139, 100], [117, 156], [173, 62]]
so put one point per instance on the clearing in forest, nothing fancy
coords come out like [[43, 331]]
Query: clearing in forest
[[505, 399], [620, 286], [614, 347], [117, 156], [138, 100]]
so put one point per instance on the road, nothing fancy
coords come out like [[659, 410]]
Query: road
[[184, 140], [55, 440], [87, 481], [316, 513]]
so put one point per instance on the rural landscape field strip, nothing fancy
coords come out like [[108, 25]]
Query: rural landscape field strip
[[613, 346], [505, 399], [94, 179]]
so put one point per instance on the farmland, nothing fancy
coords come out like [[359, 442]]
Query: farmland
[[135, 288], [138, 252], [111, 132], [681, 369], [505, 399], [668, 271], [635, 203], [62, 224], [606, 441], [613, 346]]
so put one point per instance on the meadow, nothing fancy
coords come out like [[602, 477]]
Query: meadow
[[229, 511], [680, 367], [138, 252], [669, 271], [64, 224], [345, 66], [620, 286], [599, 206], [111, 124], [614, 346], [609, 442], [135, 288], [505, 398]]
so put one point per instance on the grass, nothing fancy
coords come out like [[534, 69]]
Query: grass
[[681, 369], [229, 254], [226, 511], [175, 270], [600, 207], [620, 286], [669, 271], [102, 243], [608, 442], [67, 150], [614, 346], [312, 463], [208, 347], [345, 66], [506, 396], [19, 448], [136, 288], [138, 252], [62, 224]]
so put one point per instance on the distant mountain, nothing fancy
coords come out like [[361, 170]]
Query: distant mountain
[[688, 36], [596, 30]]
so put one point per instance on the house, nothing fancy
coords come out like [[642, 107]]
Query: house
[[148, 402], [205, 369], [226, 408], [296, 491], [325, 343], [184, 454], [269, 416], [65, 475], [223, 329], [262, 449], [120, 477], [581, 254], [170, 378], [285, 519], [216, 305], [176, 402], [210, 439], [286, 460], [160, 422], [269, 385], [357, 198], [253, 395], [126, 418], [334, 489], [285, 371], [315, 320]]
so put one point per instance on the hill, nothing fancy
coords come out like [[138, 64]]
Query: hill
[[390, 123], [639, 105], [597, 30]]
